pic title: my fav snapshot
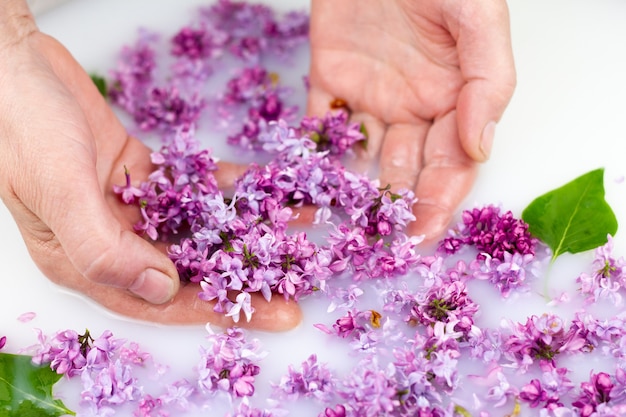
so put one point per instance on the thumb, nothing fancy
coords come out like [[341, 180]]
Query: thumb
[[99, 246], [487, 66]]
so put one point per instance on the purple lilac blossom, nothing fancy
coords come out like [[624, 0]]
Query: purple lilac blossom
[[491, 233], [608, 276], [229, 364], [241, 244], [313, 379]]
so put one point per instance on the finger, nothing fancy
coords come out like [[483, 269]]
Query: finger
[[184, 308], [187, 308], [487, 65], [101, 249], [228, 173], [401, 156], [444, 181]]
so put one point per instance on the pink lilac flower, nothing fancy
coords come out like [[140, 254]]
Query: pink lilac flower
[[507, 274], [416, 387], [229, 364], [369, 391], [491, 233], [594, 392], [444, 304], [336, 411], [149, 406], [608, 276], [179, 394], [111, 385], [332, 133], [313, 379], [65, 352], [244, 409], [542, 339], [134, 73], [198, 43], [549, 392], [167, 109]]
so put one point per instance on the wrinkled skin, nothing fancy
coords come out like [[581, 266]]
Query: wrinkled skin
[[425, 76], [429, 78], [62, 151]]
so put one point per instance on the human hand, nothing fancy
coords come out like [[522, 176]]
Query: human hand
[[429, 78], [63, 149]]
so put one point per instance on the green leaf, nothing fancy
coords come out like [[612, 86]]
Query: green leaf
[[573, 218], [26, 389], [101, 84]]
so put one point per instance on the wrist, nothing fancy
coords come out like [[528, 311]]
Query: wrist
[[16, 21]]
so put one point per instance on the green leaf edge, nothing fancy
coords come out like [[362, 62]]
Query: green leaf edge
[[556, 252], [55, 404], [101, 84]]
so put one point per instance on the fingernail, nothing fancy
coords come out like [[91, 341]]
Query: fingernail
[[153, 286], [486, 139]]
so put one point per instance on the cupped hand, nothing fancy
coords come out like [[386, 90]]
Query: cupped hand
[[429, 78], [62, 150]]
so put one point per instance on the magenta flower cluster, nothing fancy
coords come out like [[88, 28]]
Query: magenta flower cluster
[[236, 245], [111, 370], [411, 320], [505, 247]]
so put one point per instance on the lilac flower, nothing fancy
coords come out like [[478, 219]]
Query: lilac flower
[[165, 109], [332, 133], [229, 364], [313, 379], [150, 407], [594, 392], [111, 385], [101, 350], [198, 43], [491, 233], [370, 390], [3, 341], [549, 392], [445, 304], [507, 274], [128, 193], [542, 338], [344, 298], [178, 394], [337, 411], [134, 73], [244, 409], [608, 276], [65, 352], [284, 35]]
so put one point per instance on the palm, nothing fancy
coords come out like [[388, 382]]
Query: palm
[[74, 125], [399, 69]]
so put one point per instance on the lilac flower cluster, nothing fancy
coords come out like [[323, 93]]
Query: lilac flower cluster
[[312, 380], [254, 96], [230, 364], [248, 32], [506, 249], [410, 344], [233, 246], [111, 372], [104, 364], [608, 278]]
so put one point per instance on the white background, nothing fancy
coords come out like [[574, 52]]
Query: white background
[[566, 118]]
